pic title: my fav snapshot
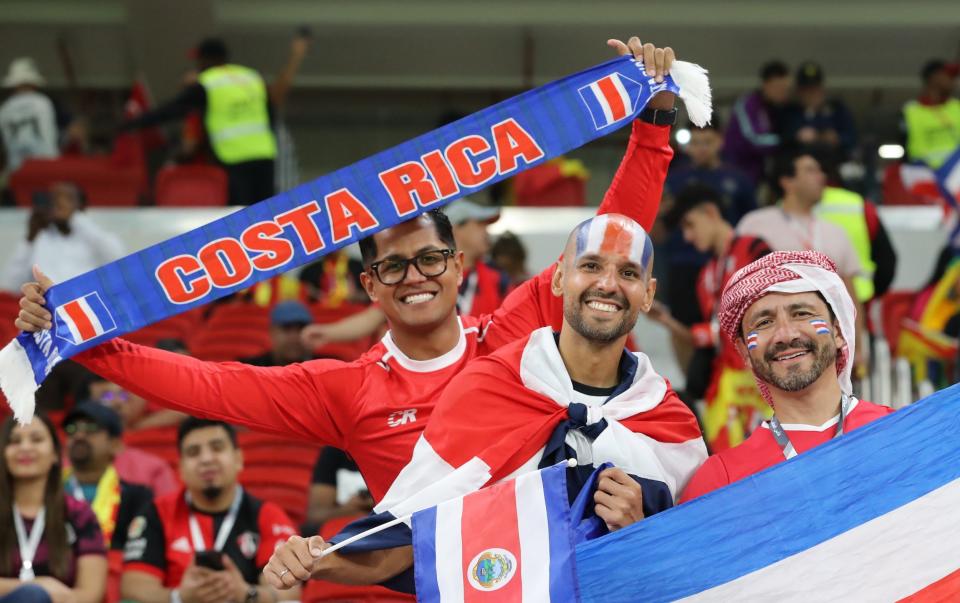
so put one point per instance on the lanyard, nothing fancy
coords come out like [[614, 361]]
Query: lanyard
[[28, 544], [784, 442], [225, 528], [466, 297], [77, 490]]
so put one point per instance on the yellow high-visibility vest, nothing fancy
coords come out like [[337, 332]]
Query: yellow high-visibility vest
[[845, 209], [237, 118], [933, 131]]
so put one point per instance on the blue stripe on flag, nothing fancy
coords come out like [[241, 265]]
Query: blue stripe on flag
[[779, 512], [593, 105], [103, 314], [425, 555], [561, 535]]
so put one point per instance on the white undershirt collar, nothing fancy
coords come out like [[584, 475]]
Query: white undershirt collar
[[804, 427], [426, 366]]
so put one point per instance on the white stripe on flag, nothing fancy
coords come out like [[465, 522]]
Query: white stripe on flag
[[598, 228], [602, 101], [624, 97], [845, 568], [534, 537], [74, 332], [449, 541], [952, 181], [91, 315]]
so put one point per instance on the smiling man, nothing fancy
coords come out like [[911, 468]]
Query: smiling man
[[376, 407], [548, 397], [792, 319]]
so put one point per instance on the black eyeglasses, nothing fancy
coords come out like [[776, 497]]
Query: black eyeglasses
[[428, 263]]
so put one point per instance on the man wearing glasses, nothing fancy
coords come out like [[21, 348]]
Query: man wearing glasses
[[93, 439], [376, 407]]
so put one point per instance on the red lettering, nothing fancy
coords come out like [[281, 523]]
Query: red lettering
[[345, 211], [303, 226], [512, 141], [226, 262], [172, 276], [407, 184], [461, 154], [441, 174], [264, 237]]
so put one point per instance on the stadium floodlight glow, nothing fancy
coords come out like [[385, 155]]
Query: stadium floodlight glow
[[683, 136], [890, 151]]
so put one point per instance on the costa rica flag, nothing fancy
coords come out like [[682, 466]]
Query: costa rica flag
[[610, 99], [512, 541], [83, 319]]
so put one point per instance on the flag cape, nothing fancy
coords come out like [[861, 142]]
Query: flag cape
[[870, 516], [494, 420], [311, 220]]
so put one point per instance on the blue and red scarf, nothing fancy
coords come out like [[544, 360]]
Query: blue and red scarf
[[313, 219]]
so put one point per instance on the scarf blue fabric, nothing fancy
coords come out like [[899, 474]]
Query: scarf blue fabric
[[311, 220]]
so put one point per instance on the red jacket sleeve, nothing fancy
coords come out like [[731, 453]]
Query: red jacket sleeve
[[311, 400], [637, 187], [635, 192]]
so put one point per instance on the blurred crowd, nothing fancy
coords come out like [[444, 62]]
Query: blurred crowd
[[120, 472]]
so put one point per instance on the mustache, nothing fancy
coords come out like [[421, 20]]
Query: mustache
[[611, 296], [807, 345]]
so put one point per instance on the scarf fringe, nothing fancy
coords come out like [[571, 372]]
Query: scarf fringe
[[17, 381], [694, 91]]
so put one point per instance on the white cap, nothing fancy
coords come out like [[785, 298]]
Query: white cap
[[465, 210], [23, 71]]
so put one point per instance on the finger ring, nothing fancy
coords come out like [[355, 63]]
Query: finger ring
[[283, 573]]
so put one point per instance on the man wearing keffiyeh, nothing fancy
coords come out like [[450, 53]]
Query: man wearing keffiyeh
[[792, 319]]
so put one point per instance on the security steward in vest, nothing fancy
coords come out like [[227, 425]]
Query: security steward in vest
[[237, 115], [932, 121]]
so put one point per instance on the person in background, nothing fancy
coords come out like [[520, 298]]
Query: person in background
[[210, 540], [336, 490], [931, 122], [510, 256], [132, 464], [62, 236], [736, 196], [816, 121], [716, 372], [287, 320], [334, 280], [484, 287], [753, 133], [51, 547], [237, 116], [93, 439], [30, 122]]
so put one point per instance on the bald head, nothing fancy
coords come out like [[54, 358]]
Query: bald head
[[611, 235]]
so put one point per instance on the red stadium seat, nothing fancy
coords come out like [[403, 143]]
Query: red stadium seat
[[191, 186], [181, 327], [103, 181], [281, 484], [159, 441], [239, 315], [222, 350], [895, 307]]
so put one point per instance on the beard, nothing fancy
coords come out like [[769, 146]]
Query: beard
[[599, 333], [797, 379], [212, 492], [63, 226], [81, 454]]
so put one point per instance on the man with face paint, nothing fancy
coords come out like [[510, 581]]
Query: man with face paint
[[792, 319], [549, 397]]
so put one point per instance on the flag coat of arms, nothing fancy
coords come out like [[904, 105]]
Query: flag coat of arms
[[83, 319], [512, 541], [870, 516]]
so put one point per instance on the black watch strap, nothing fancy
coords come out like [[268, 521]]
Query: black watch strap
[[659, 117]]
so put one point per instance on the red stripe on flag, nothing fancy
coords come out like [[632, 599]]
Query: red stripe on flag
[[490, 521], [612, 95], [80, 320], [616, 239], [943, 590]]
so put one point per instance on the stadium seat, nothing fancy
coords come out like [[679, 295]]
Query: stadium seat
[[191, 186], [222, 350], [239, 315], [103, 182], [894, 308], [281, 484], [159, 441], [181, 327]]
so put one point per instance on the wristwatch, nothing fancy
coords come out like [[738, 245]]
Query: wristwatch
[[252, 595], [659, 117]]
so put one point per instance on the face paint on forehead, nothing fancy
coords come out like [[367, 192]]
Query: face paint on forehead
[[605, 235]]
